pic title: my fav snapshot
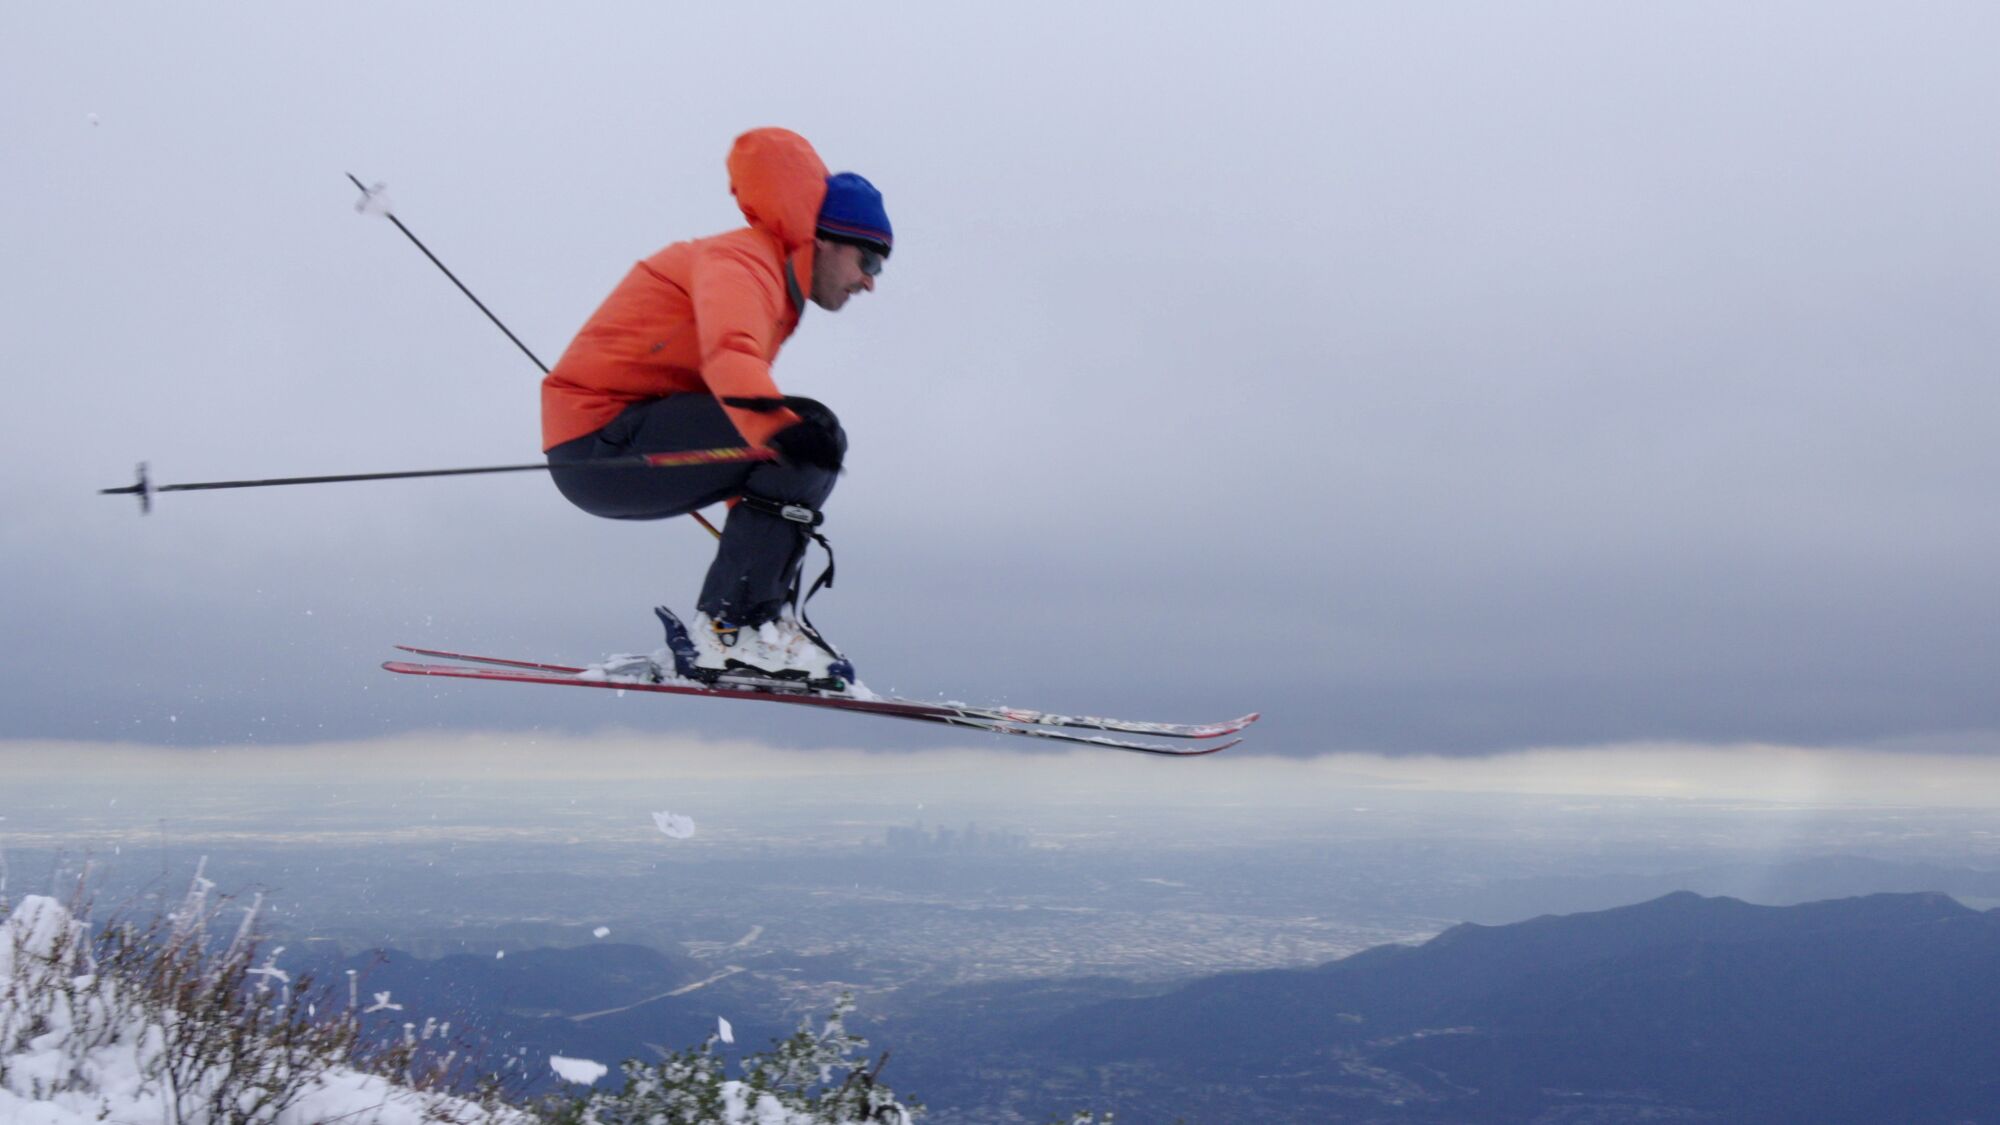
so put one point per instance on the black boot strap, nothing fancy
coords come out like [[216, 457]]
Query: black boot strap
[[809, 519]]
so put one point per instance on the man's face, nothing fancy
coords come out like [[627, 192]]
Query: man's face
[[837, 274]]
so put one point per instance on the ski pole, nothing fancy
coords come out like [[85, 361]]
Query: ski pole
[[373, 199], [144, 488]]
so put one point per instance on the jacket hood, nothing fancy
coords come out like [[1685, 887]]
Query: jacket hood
[[779, 182]]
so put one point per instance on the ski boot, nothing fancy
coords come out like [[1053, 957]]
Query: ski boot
[[775, 655]]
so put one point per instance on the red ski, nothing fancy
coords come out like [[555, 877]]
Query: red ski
[[997, 720], [960, 710]]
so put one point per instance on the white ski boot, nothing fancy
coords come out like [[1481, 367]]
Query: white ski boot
[[780, 649]]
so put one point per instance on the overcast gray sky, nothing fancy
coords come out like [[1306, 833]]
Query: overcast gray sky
[[1430, 377]]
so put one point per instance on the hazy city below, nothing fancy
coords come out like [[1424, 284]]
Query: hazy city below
[[893, 874], [621, 896]]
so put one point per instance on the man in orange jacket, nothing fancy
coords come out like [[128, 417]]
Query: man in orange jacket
[[679, 357]]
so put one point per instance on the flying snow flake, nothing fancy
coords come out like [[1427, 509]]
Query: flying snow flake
[[500, 955], [90, 117], [584, 1071], [382, 1004], [723, 1029], [675, 825], [601, 931]]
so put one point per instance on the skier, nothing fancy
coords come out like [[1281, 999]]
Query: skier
[[679, 357]]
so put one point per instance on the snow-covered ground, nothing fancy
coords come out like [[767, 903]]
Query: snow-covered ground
[[78, 1050], [82, 1048]]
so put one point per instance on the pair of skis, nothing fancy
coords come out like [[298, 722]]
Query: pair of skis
[[642, 674]]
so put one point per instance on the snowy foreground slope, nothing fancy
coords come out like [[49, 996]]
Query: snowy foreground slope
[[79, 1045], [75, 1049]]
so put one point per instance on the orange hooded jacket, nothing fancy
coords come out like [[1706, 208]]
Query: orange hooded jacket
[[706, 316]]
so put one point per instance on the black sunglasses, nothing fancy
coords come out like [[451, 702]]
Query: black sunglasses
[[871, 261]]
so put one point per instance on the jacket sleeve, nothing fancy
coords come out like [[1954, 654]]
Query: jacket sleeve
[[740, 312]]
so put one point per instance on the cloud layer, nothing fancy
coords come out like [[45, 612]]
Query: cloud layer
[[1432, 380]]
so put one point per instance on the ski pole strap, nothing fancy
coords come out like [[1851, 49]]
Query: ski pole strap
[[824, 581]]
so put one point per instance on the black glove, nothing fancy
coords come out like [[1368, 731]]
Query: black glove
[[816, 439]]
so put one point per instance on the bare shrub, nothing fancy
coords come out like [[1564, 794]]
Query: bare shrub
[[208, 1022]]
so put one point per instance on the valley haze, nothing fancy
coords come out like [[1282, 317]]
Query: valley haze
[[955, 892]]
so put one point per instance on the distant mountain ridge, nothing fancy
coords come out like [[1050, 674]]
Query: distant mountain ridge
[[1786, 882], [1883, 1008]]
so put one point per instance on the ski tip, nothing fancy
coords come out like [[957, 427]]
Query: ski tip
[[1238, 723], [1218, 730], [1177, 752], [1172, 751]]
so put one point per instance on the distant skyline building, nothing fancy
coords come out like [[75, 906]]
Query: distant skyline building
[[916, 838]]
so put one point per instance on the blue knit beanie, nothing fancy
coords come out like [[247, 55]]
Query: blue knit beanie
[[853, 211]]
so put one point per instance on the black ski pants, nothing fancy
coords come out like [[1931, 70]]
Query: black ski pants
[[757, 563]]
